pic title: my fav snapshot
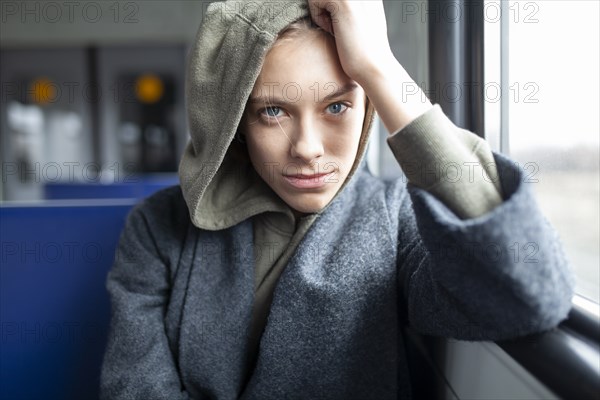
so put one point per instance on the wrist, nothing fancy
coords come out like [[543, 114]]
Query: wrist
[[378, 71], [395, 95]]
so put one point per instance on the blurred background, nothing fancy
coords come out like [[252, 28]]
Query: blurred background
[[92, 94]]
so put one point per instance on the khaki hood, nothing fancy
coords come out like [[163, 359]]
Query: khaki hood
[[219, 184]]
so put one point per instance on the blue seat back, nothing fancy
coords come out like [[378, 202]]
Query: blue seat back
[[132, 187], [54, 306]]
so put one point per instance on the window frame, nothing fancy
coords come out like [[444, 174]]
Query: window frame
[[567, 351], [559, 358]]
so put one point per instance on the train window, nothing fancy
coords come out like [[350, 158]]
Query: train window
[[553, 124]]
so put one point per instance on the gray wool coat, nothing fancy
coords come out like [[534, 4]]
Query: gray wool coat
[[383, 255]]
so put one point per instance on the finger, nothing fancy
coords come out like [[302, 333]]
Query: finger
[[327, 24], [321, 17]]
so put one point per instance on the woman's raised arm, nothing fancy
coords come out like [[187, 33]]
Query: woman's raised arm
[[476, 258]]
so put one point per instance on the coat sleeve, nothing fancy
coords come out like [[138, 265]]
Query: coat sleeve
[[138, 363], [494, 273], [451, 163], [498, 276]]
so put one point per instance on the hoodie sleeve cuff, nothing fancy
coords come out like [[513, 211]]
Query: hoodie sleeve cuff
[[451, 163]]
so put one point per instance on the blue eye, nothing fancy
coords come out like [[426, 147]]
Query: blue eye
[[337, 108], [272, 111]]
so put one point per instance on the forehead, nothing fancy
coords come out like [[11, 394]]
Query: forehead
[[305, 61]]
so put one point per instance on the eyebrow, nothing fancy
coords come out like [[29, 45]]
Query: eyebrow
[[349, 87]]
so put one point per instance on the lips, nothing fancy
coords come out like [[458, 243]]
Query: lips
[[312, 181], [313, 176]]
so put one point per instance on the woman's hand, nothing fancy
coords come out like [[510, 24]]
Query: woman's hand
[[360, 32]]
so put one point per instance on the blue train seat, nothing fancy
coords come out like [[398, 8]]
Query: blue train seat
[[135, 187], [55, 310]]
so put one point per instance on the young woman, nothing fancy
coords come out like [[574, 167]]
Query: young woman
[[281, 268]]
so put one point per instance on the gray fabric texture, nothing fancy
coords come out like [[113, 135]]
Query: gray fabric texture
[[383, 255]]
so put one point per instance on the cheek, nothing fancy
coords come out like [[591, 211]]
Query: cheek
[[263, 150], [344, 143]]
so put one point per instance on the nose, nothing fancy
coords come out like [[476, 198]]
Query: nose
[[306, 143]]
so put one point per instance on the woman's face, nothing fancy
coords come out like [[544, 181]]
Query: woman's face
[[303, 122]]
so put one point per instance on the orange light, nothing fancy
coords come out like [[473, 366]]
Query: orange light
[[43, 91], [149, 88]]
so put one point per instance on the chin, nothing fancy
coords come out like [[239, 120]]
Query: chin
[[309, 203]]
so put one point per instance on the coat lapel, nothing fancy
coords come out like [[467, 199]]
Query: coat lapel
[[217, 312]]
